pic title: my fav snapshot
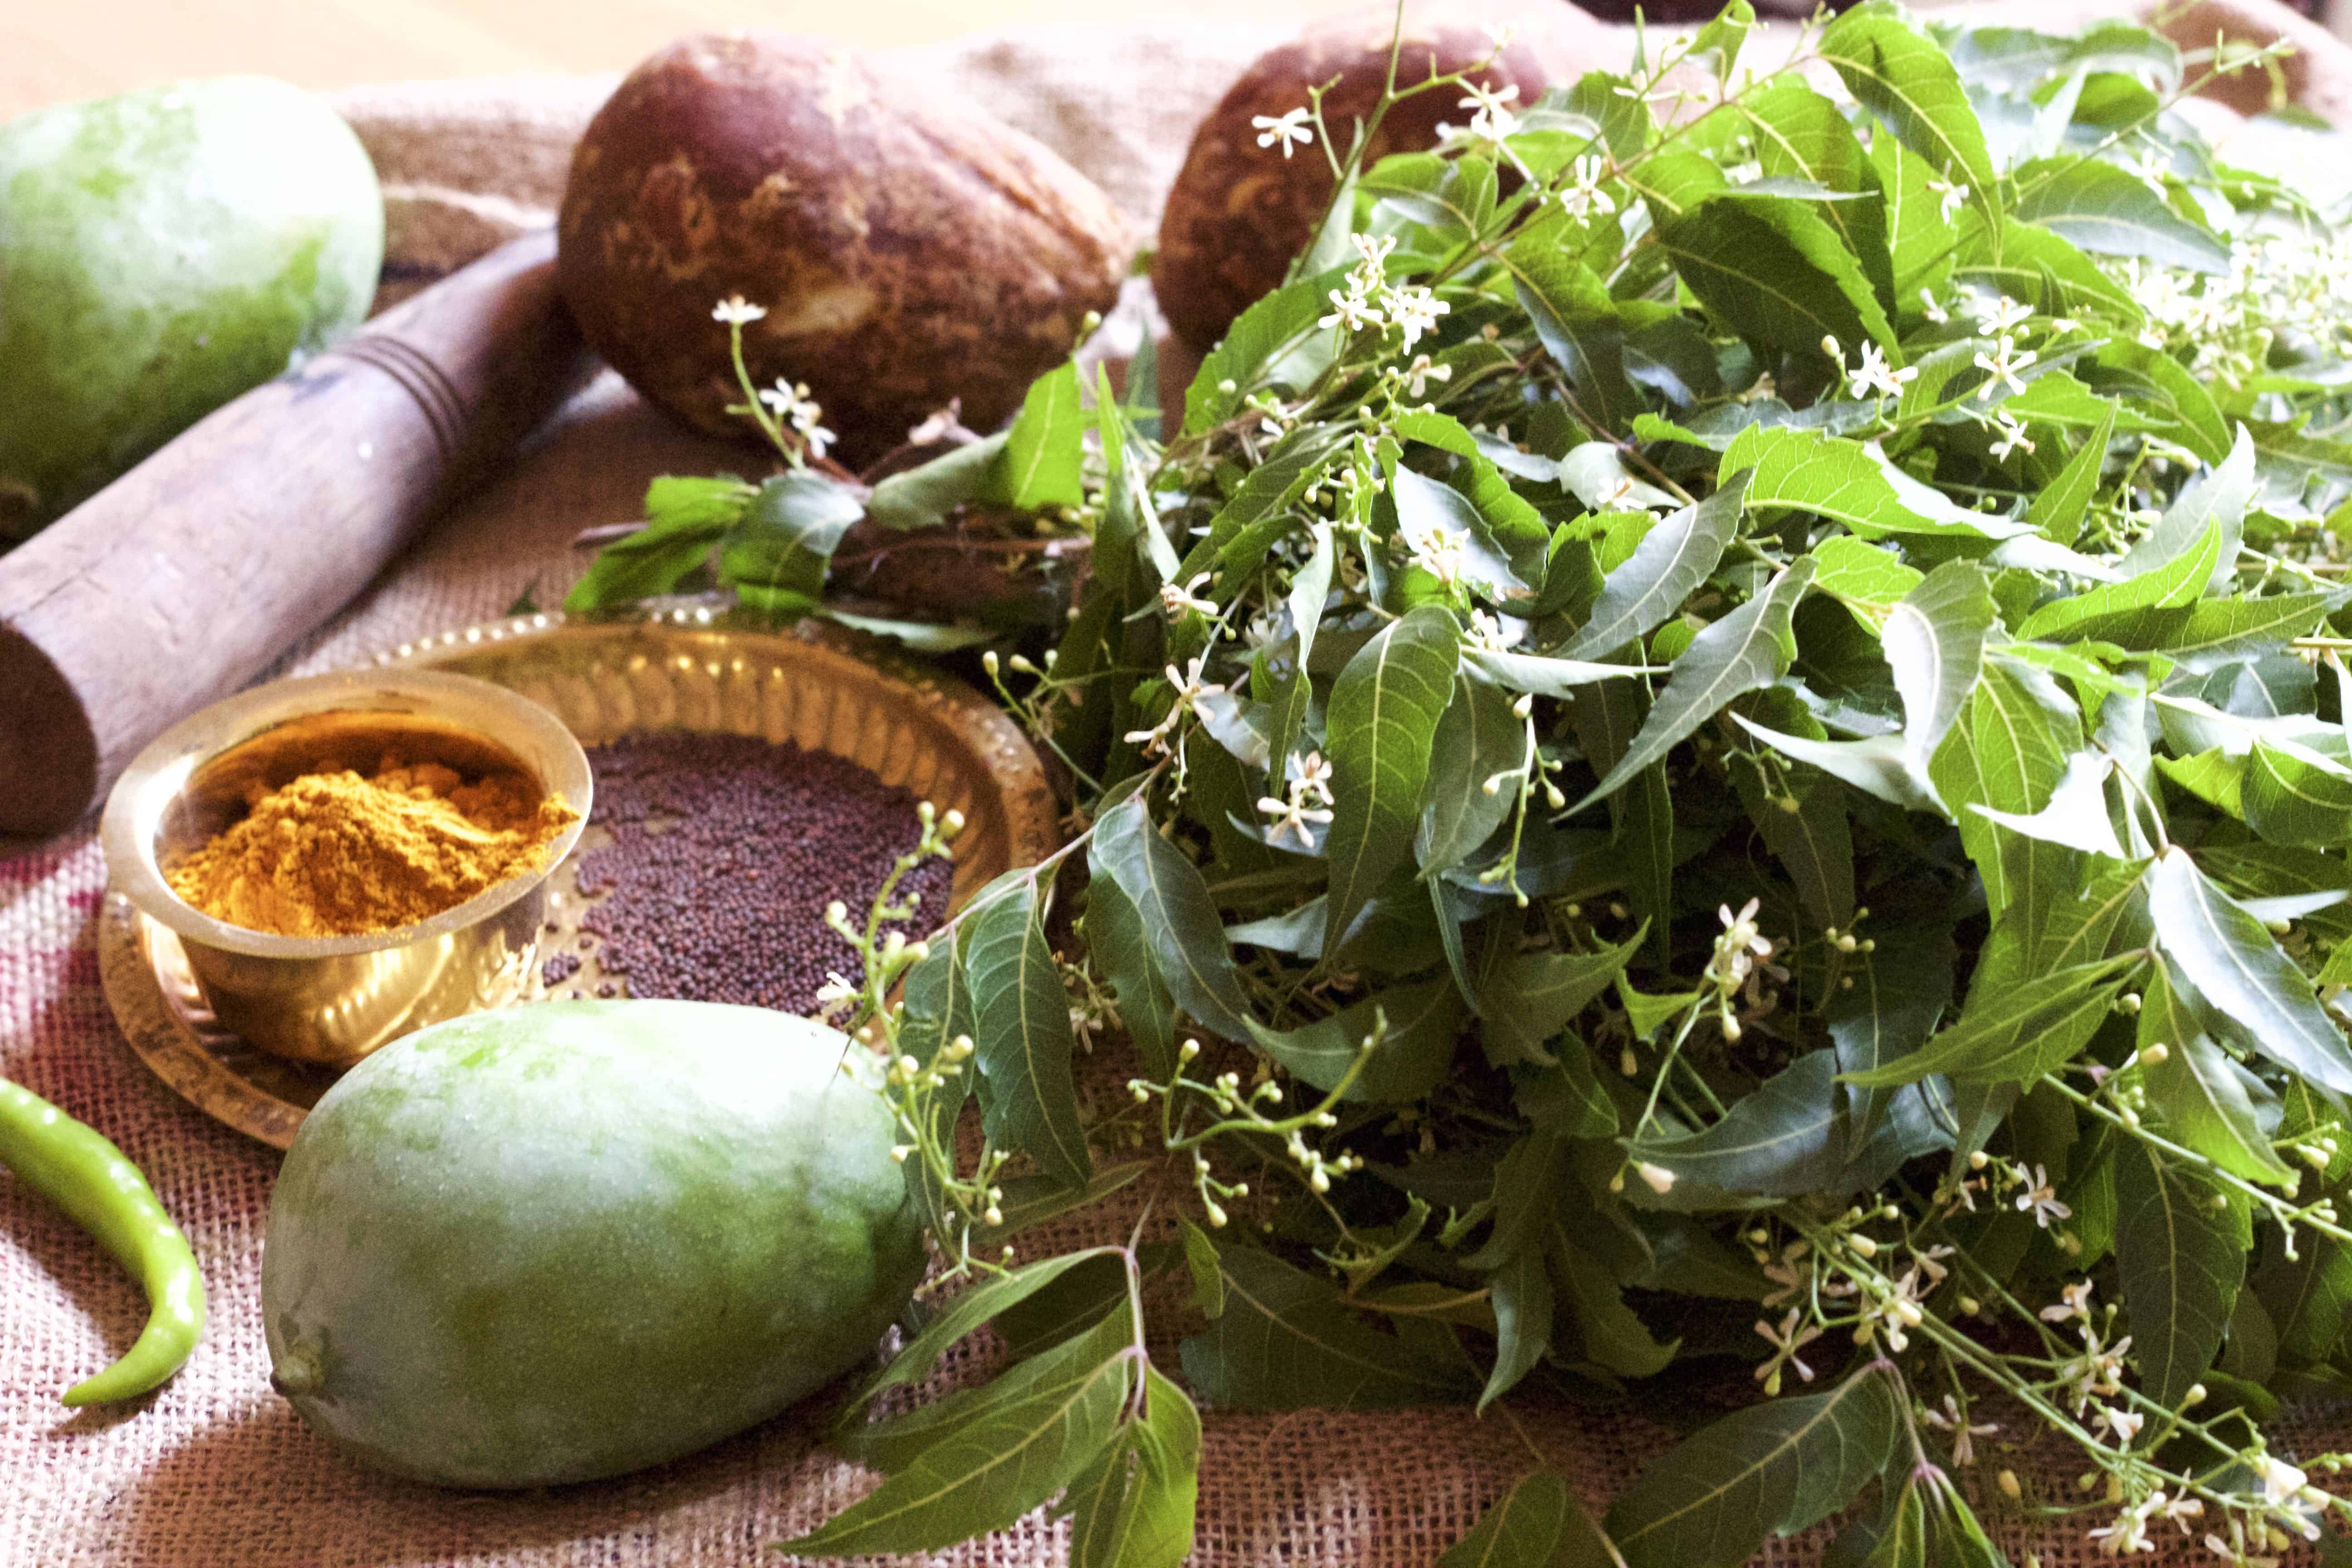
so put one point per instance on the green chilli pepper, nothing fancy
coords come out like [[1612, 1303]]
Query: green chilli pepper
[[103, 1192]]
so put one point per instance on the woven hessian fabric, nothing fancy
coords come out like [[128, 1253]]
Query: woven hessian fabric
[[215, 1470]]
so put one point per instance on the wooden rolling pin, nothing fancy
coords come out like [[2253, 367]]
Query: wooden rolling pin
[[184, 578]]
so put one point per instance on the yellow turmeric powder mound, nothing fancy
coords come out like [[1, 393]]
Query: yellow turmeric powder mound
[[335, 854]]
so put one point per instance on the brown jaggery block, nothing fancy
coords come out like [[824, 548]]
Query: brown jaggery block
[[907, 247]]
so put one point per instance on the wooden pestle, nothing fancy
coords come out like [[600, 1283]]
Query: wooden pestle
[[186, 577]]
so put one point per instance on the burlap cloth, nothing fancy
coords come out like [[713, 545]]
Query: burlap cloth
[[215, 1469]]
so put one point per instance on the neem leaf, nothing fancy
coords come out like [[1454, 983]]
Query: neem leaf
[[1427, 508], [2254, 994], [1479, 738], [1537, 1524], [2017, 1034], [1134, 1506], [963, 1312], [1180, 924], [2293, 794], [922, 497], [1284, 1342], [1774, 1468], [1749, 647], [2182, 1263], [1021, 1442], [1799, 132], [1423, 1018], [1045, 449], [2215, 497], [1532, 997], [1579, 326], [1780, 1141], [2057, 513], [1260, 338], [2103, 208], [2077, 816], [1841, 480], [1519, 1290], [1907, 80], [1776, 271], [1934, 641], [2204, 1098], [1870, 578], [2007, 752], [1381, 721], [1024, 1029], [776, 554], [684, 517], [1899, 992], [2107, 610], [1543, 676], [1673, 559], [1876, 764], [1715, 46]]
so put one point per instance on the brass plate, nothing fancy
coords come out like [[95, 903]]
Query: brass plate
[[819, 686]]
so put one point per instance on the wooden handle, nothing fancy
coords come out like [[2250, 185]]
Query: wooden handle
[[186, 577]]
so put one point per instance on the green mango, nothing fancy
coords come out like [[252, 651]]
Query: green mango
[[160, 253], [574, 1238]]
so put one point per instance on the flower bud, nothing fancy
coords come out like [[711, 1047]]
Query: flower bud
[[990, 663], [2008, 1485], [1661, 1180], [1864, 1246], [2154, 1054]]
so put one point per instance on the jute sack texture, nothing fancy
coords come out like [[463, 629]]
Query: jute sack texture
[[215, 1469]]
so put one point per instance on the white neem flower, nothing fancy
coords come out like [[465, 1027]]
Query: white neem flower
[[736, 312], [1955, 194], [1932, 311], [1434, 551], [1789, 1275], [1176, 600], [2040, 1200], [1498, 34], [2002, 317], [1421, 372], [1189, 690], [2075, 1302], [1786, 1340], [1876, 377], [1584, 196], [1955, 1420], [1494, 121], [1353, 312], [2004, 363], [1289, 129], [794, 406], [2012, 435], [2128, 1533], [1310, 775], [1414, 311], [2149, 166], [1487, 633], [2124, 1423], [2282, 1483]]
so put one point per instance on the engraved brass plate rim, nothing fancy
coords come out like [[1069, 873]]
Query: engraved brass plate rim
[[843, 691]]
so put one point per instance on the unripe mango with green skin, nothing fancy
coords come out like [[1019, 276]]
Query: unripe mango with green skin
[[161, 253], [573, 1238]]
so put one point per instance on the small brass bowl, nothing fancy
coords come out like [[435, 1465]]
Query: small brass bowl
[[332, 1000]]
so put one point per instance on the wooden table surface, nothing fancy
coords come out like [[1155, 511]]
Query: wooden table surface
[[53, 51]]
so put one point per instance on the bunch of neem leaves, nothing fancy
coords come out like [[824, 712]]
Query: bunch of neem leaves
[[1715, 745]]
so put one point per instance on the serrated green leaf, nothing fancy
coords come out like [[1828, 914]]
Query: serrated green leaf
[[1579, 324], [2204, 1099], [1781, 1140], [2308, 1298], [1537, 1524], [1899, 992], [1134, 1506], [1383, 717], [2106, 210], [776, 556], [1772, 1468], [2007, 752], [1813, 841], [1180, 924], [1284, 1342], [1021, 1441], [1934, 641], [1122, 952], [1045, 449], [1774, 269], [1425, 1017], [1022, 1018], [1747, 648], [2293, 794], [1267, 333], [2057, 513], [1908, 81], [1673, 559], [1479, 738], [938, 1007], [2253, 995], [684, 519], [2214, 500], [2110, 609], [2077, 817], [1869, 578], [1519, 1290], [2181, 1262], [1715, 46], [924, 495], [1876, 764], [1543, 676], [2018, 1034], [1532, 997], [1839, 479], [1612, 1337], [1799, 132]]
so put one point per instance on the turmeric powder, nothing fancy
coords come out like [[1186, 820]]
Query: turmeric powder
[[335, 854]]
